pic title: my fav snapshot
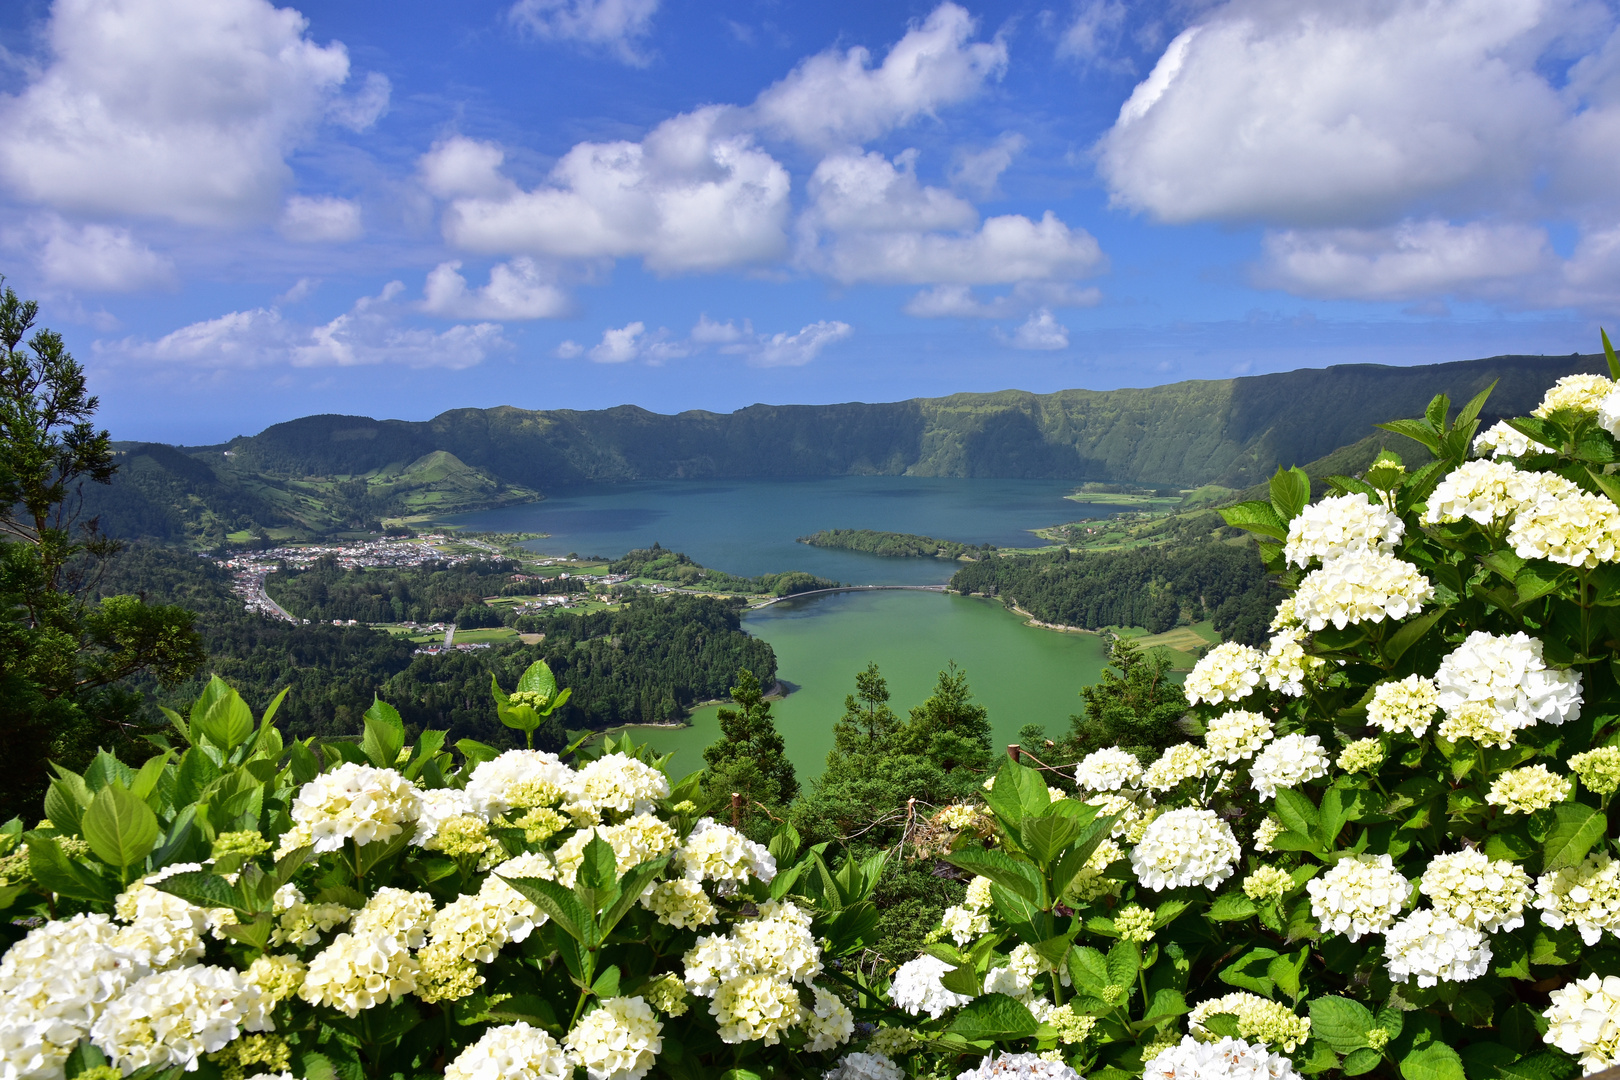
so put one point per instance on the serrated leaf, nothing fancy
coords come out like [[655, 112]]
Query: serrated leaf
[[1255, 516], [1410, 633], [120, 828], [561, 904], [1000, 868], [1166, 1004], [1340, 1022], [1576, 828], [996, 1017], [1088, 968], [1290, 492], [1361, 1061], [1297, 812], [384, 734], [1231, 907], [962, 980], [201, 888], [1124, 961], [1432, 1061]]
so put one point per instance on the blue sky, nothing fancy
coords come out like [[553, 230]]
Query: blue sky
[[238, 213]]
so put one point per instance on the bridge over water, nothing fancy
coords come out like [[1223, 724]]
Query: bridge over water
[[851, 588]]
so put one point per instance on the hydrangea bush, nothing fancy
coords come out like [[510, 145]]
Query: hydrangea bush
[[239, 907], [1385, 848]]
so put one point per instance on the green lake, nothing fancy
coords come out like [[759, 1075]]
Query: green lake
[[1022, 674]]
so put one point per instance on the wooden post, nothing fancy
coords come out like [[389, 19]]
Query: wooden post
[[1012, 752], [736, 809]]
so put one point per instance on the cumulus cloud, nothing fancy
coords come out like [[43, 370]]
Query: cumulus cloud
[[866, 192], [709, 332], [1095, 27], [369, 333], [364, 107], [692, 196], [1005, 249], [1041, 331], [837, 97], [516, 290], [619, 346], [796, 350], [96, 258], [1408, 261], [960, 302], [978, 171], [178, 109], [616, 25], [1319, 113], [322, 219], [569, 349]]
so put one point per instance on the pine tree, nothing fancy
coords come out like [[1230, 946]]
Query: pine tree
[[749, 758], [868, 723]]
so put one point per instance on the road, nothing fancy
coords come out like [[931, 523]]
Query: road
[[853, 588]]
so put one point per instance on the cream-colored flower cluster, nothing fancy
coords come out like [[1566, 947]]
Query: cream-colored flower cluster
[[639, 839], [173, 1017], [1184, 761], [356, 802], [1476, 890], [1361, 586], [1502, 440], [1189, 846], [1508, 683], [681, 903], [405, 915], [1287, 763], [1580, 393], [1599, 769], [964, 924], [1339, 525], [917, 987], [1237, 735], [1485, 492], [1586, 897], [1361, 755], [518, 779], [1258, 1019], [1286, 666], [1571, 527], [1267, 884], [1092, 880], [1134, 923], [511, 1052], [1432, 947], [1407, 705], [1228, 672], [1265, 832], [621, 784], [1526, 790], [721, 854], [357, 973], [1108, 769], [618, 1040], [749, 974], [1225, 1059], [1360, 895], [1583, 1020]]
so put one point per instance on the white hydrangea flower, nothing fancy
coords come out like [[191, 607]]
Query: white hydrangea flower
[[511, 1052], [1408, 704], [1484, 492], [1502, 440], [829, 1023], [1090, 884], [1284, 619], [1339, 525], [778, 942], [1227, 1059], [721, 854], [163, 927], [1285, 665], [1585, 896], [356, 802], [1526, 790], [1228, 672], [755, 1007], [438, 806], [1476, 890], [858, 1066], [1287, 763], [1184, 761], [406, 915], [1362, 755], [1582, 393], [1599, 769], [964, 924], [1267, 884], [1007, 1066], [640, 839], [1433, 947], [1583, 1020], [526, 777], [681, 903], [1237, 735], [1264, 1021], [1267, 831], [356, 973], [977, 896], [278, 977], [1480, 721], [917, 988], [620, 1040], [619, 783], [1508, 674], [1359, 895], [1361, 586], [1108, 769], [1130, 814], [1577, 528], [174, 1017], [1185, 847], [301, 923]]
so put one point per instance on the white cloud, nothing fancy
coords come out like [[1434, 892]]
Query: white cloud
[[959, 301], [569, 349], [369, 333], [979, 170], [837, 97], [865, 192], [616, 25], [96, 258], [1006, 249], [1096, 24], [619, 346], [1322, 113], [796, 350], [709, 332], [1039, 332], [179, 109], [691, 196], [461, 166], [1412, 260], [365, 106], [322, 219], [516, 290]]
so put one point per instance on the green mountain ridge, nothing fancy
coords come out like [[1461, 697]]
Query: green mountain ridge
[[327, 472]]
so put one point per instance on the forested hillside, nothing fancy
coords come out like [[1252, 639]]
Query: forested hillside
[[1153, 587], [325, 473], [438, 593]]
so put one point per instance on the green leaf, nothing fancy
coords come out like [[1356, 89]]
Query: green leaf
[[598, 868], [1290, 492], [1341, 1023], [1297, 812], [1470, 411], [562, 905], [1231, 907], [1285, 972], [1000, 868], [1124, 961], [1608, 354], [66, 801], [607, 983], [1536, 580], [538, 679], [53, 872], [996, 1017], [1044, 837], [1361, 1061], [120, 828], [1410, 633], [962, 980], [1088, 968], [385, 734], [227, 722], [1416, 430], [1555, 948], [1166, 1004], [1576, 827], [1249, 971], [1432, 1061], [1018, 792], [84, 1056], [201, 888], [477, 752], [1257, 517]]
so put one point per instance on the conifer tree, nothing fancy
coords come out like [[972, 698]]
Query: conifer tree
[[749, 758]]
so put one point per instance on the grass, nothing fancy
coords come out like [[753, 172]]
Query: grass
[[1181, 641], [1136, 499]]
